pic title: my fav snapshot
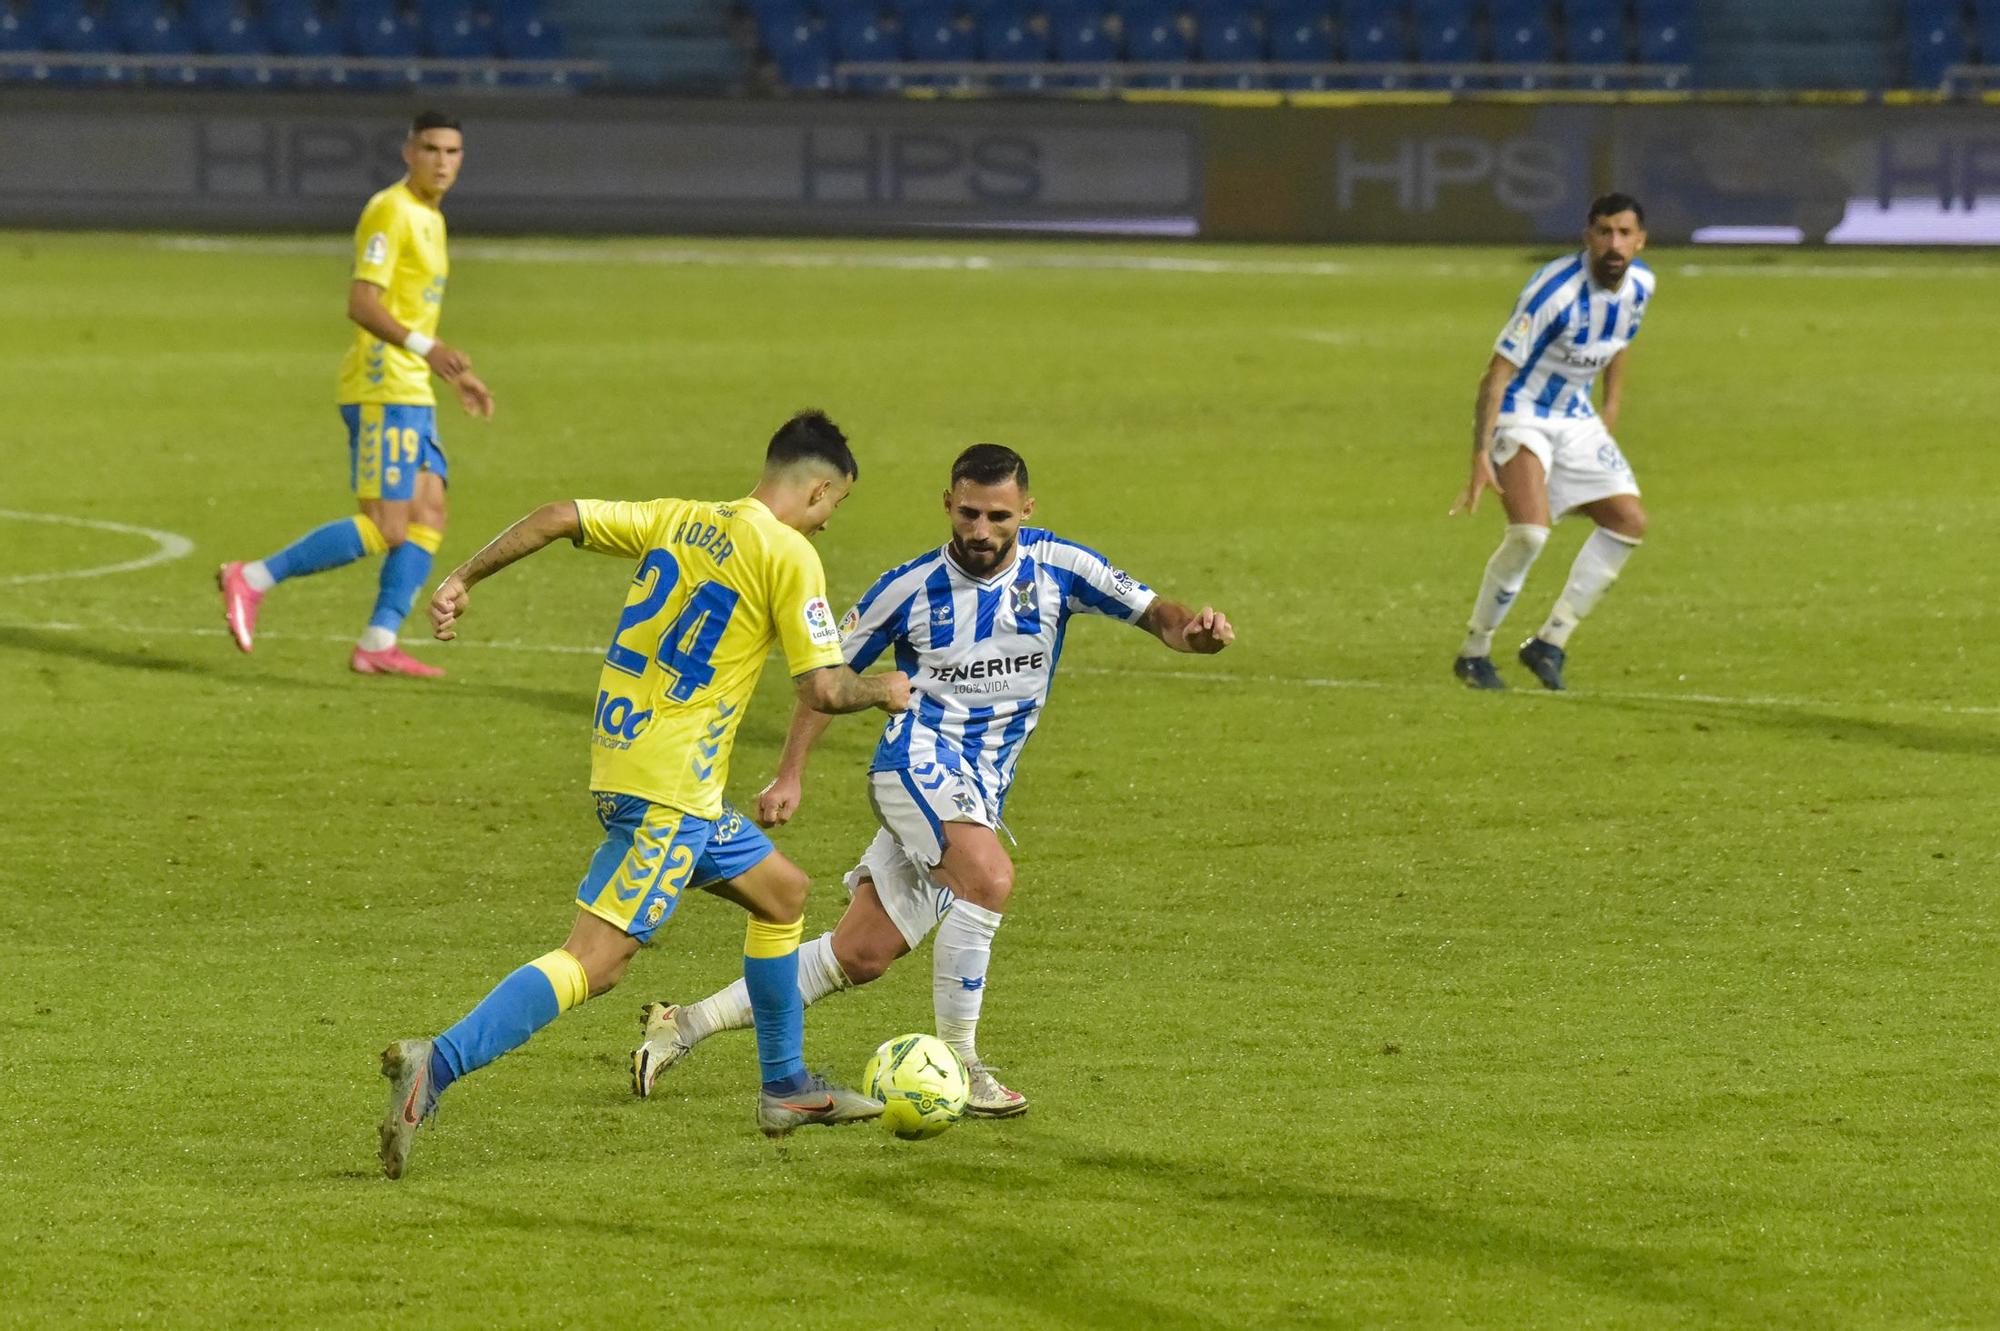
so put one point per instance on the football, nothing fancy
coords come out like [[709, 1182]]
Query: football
[[921, 1082]]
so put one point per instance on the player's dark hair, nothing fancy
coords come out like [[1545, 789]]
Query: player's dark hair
[[990, 464], [810, 435], [434, 120], [1610, 205]]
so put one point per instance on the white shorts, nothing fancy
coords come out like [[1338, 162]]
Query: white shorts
[[916, 804], [914, 903], [913, 807], [1580, 459]]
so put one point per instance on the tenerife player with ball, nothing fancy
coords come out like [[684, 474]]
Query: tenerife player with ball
[[1539, 444], [978, 625]]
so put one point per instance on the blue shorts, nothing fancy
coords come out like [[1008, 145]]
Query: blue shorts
[[652, 853], [387, 445]]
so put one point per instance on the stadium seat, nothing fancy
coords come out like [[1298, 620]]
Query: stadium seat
[[1229, 34], [778, 24], [1301, 35], [1524, 43], [1379, 42], [1083, 37], [380, 33], [1593, 11], [1935, 47], [69, 27], [151, 29], [1516, 14], [1157, 39], [859, 37], [455, 33], [1012, 38], [803, 55], [229, 29], [1445, 36], [1595, 40], [1665, 41], [1986, 25], [936, 33], [530, 37]]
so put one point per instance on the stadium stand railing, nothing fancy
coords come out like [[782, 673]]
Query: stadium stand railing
[[1069, 46], [370, 44]]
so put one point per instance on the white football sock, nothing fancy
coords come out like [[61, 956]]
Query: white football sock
[[1597, 566], [959, 959], [1505, 573], [258, 576], [377, 639], [728, 1009]]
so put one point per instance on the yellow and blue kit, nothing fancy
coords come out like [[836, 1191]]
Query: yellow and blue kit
[[385, 395], [716, 585]]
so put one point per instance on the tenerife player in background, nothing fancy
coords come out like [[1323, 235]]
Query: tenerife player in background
[[396, 465], [1539, 444], [717, 584], [979, 625]]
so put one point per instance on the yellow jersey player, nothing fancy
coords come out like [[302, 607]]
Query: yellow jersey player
[[396, 466], [716, 585]]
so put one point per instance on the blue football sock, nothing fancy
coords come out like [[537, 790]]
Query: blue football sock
[[519, 1005], [323, 548], [771, 974], [403, 574]]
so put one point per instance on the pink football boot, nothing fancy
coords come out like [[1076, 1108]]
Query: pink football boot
[[391, 661], [239, 604]]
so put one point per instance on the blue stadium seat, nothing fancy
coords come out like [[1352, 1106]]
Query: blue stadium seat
[[803, 55], [1524, 43], [456, 33], [1229, 33], [1934, 47], [530, 37], [378, 32], [1595, 40], [1081, 37], [17, 33], [862, 37], [1301, 35], [223, 27], [1593, 11], [149, 28], [1157, 39], [1377, 42], [1516, 14], [778, 24], [1445, 35], [69, 27], [1665, 41], [299, 28], [1986, 24], [935, 32], [1012, 38]]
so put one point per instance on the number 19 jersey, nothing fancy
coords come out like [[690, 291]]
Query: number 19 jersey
[[717, 584]]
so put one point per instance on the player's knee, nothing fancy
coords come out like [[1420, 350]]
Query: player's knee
[[1524, 540], [785, 897], [395, 528], [604, 972], [862, 959], [989, 887], [1631, 523]]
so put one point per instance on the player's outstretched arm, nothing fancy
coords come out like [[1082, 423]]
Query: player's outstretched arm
[[780, 800], [837, 690], [1205, 631], [547, 524], [1485, 412]]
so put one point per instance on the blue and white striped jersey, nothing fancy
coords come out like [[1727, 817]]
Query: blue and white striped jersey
[[1565, 328], [981, 653]]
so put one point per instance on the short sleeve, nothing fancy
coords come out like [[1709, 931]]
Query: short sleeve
[[378, 239], [804, 621], [877, 620], [1092, 585], [1540, 305], [617, 526]]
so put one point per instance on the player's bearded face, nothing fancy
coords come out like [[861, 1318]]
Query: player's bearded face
[[1612, 242], [433, 158], [985, 521]]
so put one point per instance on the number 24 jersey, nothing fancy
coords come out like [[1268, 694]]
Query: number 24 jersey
[[717, 584]]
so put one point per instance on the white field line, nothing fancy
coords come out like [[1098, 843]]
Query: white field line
[[1196, 676], [589, 252], [167, 546]]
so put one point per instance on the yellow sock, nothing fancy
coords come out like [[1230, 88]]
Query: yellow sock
[[371, 535], [427, 538], [761, 940], [566, 977]]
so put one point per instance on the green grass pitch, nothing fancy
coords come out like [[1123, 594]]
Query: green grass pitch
[[1344, 996]]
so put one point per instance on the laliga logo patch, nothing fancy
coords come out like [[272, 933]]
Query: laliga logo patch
[[377, 249], [850, 621], [819, 622], [1024, 596]]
